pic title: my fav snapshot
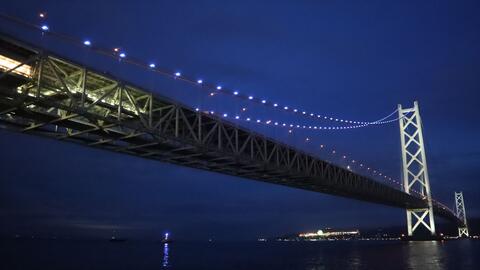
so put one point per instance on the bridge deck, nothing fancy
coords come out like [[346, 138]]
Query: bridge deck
[[60, 99]]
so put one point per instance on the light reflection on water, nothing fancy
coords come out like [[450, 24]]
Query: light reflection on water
[[425, 255], [165, 263]]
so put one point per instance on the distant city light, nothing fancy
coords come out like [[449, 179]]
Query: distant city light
[[235, 93], [152, 65], [275, 105], [225, 115], [200, 81], [237, 117], [264, 101], [250, 97], [45, 27], [116, 49], [122, 55], [42, 15], [87, 43], [178, 74], [285, 108], [219, 87]]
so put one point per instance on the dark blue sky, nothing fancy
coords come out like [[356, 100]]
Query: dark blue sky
[[342, 58]]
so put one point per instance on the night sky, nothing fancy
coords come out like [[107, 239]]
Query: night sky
[[341, 58]]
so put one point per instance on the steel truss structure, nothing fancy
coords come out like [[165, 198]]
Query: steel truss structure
[[67, 101], [460, 207], [415, 172]]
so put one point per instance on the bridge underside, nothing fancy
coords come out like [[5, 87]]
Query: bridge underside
[[48, 96]]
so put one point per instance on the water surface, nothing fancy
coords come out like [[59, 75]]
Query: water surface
[[390, 255]]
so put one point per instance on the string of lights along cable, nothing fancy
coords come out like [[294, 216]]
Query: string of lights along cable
[[212, 88], [121, 54]]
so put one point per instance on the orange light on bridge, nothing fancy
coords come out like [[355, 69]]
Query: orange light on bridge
[[7, 63]]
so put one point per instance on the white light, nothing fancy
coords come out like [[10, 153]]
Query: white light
[[295, 110], [311, 114], [286, 108], [235, 93], [250, 97], [45, 27], [152, 65], [275, 105], [219, 87], [248, 119], [197, 109], [304, 112], [16, 67], [258, 120], [200, 81], [87, 43], [178, 74], [237, 117], [264, 101], [122, 55], [225, 115]]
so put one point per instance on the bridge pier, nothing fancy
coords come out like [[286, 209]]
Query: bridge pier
[[460, 207], [415, 172]]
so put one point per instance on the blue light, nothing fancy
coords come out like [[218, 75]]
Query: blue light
[[152, 65], [122, 55], [200, 81], [177, 74], [45, 27], [87, 43]]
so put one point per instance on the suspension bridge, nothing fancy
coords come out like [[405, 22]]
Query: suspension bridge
[[51, 96]]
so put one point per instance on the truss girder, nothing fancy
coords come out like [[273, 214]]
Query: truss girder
[[70, 102]]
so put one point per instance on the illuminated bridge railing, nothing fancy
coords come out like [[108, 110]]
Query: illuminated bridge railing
[[49, 96]]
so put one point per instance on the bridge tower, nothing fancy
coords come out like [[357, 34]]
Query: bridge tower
[[415, 173], [463, 229]]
